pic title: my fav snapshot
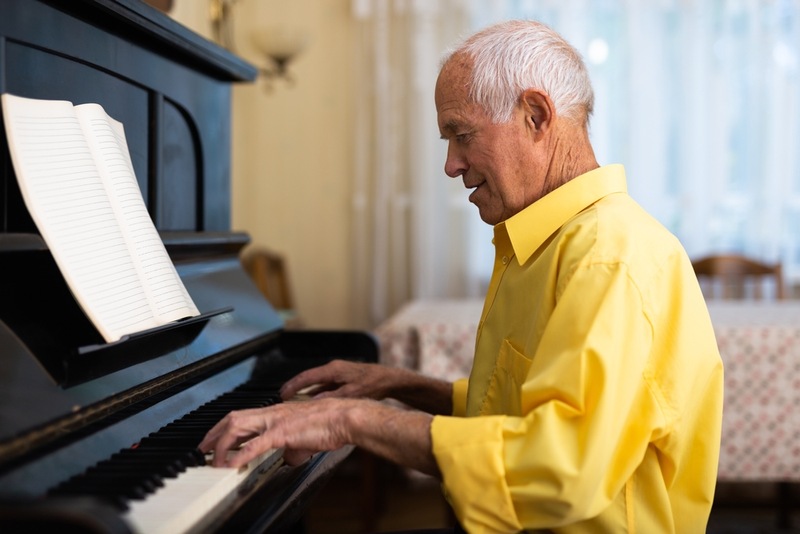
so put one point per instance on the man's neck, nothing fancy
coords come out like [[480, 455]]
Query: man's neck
[[571, 156]]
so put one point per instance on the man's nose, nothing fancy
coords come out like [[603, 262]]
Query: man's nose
[[455, 165]]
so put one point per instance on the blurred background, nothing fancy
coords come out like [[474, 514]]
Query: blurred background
[[338, 163]]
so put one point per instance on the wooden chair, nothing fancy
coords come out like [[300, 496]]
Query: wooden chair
[[268, 270], [733, 276]]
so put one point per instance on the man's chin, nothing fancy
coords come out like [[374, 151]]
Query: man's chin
[[487, 216]]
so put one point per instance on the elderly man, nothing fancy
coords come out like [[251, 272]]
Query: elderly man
[[595, 399]]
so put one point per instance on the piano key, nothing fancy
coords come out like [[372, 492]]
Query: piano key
[[166, 463], [177, 440], [190, 499], [156, 470], [162, 455], [167, 458]]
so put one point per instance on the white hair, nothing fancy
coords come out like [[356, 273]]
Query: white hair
[[510, 57]]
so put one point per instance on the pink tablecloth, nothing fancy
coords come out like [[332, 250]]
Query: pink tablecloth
[[434, 337], [760, 347]]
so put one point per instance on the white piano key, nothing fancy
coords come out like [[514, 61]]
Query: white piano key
[[187, 502]]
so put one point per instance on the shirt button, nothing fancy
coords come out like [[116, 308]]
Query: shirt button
[[505, 260]]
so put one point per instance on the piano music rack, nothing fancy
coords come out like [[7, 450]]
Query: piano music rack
[[71, 349], [94, 361]]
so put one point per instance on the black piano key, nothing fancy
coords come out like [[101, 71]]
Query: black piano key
[[155, 467], [179, 456], [168, 462], [175, 458], [116, 501], [110, 476], [179, 441], [115, 490]]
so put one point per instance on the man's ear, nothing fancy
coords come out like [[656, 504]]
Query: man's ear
[[539, 110]]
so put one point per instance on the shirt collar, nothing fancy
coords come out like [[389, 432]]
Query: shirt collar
[[529, 228]]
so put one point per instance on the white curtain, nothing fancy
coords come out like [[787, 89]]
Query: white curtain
[[699, 99], [410, 232]]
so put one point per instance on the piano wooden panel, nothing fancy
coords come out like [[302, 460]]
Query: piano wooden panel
[[169, 87]]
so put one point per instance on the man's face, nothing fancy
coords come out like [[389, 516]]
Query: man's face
[[498, 161]]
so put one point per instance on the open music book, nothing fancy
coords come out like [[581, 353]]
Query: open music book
[[78, 183]]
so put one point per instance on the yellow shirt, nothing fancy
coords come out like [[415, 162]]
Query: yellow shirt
[[595, 399]]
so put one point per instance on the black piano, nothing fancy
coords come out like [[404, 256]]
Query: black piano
[[91, 430]]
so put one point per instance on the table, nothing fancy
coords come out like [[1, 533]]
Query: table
[[760, 347]]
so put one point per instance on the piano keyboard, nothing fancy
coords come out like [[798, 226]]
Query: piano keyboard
[[162, 483], [188, 502]]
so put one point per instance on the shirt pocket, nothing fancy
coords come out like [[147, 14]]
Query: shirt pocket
[[505, 387]]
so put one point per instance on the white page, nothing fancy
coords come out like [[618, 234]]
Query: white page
[[168, 297], [67, 199]]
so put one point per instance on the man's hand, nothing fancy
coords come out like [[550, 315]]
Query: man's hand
[[300, 428], [341, 378], [304, 428]]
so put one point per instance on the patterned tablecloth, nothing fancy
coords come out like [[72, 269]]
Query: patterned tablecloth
[[760, 347]]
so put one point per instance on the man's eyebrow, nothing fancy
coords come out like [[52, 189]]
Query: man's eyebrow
[[449, 128]]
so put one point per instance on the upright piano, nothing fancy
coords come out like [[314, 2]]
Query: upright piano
[[92, 433]]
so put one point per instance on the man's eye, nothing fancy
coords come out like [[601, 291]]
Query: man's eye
[[463, 138]]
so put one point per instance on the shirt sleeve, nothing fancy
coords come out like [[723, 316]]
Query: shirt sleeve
[[460, 397], [585, 420]]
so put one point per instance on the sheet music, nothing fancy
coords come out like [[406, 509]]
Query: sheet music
[[106, 138], [119, 272]]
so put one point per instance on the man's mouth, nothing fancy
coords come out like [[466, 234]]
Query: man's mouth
[[475, 188]]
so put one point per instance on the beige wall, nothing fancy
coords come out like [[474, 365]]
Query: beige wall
[[292, 154]]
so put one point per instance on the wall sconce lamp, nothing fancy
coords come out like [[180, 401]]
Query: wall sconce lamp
[[277, 44]]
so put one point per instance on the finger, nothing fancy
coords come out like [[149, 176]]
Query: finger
[[308, 392], [315, 390], [343, 391], [222, 450], [229, 433], [210, 438], [311, 377], [250, 450]]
